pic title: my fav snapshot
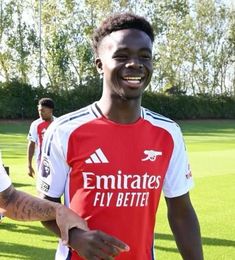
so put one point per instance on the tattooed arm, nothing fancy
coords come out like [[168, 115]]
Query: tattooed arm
[[22, 206]]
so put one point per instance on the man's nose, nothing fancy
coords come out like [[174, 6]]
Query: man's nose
[[134, 63]]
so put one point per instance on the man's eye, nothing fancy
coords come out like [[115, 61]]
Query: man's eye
[[120, 57], [146, 57]]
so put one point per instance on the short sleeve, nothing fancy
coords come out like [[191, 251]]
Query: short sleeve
[[5, 181], [53, 169], [178, 179], [32, 135]]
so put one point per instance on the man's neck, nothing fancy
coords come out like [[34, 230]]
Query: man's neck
[[49, 119], [123, 112]]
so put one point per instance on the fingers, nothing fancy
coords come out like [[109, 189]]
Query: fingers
[[107, 246], [121, 246], [31, 173], [98, 253], [94, 244], [105, 250], [99, 258]]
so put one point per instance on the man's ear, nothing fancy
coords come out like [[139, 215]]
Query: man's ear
[[99, 65]]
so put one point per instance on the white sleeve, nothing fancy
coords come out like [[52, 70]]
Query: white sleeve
[[178, 179], [32, 135], [5, 181], [54, 169]]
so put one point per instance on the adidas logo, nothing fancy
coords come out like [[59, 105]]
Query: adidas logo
[[97, 157]]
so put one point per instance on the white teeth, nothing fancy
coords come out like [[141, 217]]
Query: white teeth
[[132, 78], [133, 81]]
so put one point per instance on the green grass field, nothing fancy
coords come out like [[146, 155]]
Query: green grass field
[[211, 149]]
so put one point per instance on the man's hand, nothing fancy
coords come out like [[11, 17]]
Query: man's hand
[[31, 172], [94, 244], [66, 219]]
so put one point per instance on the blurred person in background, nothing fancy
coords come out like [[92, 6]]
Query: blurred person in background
[[37, 131]]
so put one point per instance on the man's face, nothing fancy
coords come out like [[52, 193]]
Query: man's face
[[45, 112], [125, 60]]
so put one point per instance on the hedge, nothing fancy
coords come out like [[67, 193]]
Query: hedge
[[19, 101], [191, 107]]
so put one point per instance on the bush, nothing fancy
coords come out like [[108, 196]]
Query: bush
[[191, 107], [19, 101], [16, 100]]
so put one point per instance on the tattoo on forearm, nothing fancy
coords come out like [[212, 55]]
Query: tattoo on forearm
[[21, 206]]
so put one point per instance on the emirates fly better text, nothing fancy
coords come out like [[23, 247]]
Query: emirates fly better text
[[121, 190]]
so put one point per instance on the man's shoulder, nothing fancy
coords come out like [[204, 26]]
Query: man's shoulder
[[159, 120], [36, 122], [63, 126], [147, 113], [72, 116], [71, 120]]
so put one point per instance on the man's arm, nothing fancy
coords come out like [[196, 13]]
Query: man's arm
[[22, 206], [30, 154], [90, 244], [185, 227]]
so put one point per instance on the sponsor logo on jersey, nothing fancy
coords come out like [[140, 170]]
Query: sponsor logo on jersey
[[121, 189], [45, 168], [97, 157], [120, 181], [151, 155]]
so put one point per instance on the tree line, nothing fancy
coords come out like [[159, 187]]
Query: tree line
[[19, 101], [46, 43]]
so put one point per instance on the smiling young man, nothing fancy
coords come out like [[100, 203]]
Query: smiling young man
[[112, 159]]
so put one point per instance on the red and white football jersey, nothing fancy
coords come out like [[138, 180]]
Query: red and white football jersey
[[112, 174], [36, 132]]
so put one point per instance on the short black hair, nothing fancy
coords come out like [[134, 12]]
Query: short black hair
[[121, 21], [46, 102]]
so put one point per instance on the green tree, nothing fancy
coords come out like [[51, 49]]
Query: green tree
[[192, 48], [6, 23], [16, 36]]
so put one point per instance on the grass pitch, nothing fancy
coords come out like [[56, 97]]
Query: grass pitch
[[211, 149]]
